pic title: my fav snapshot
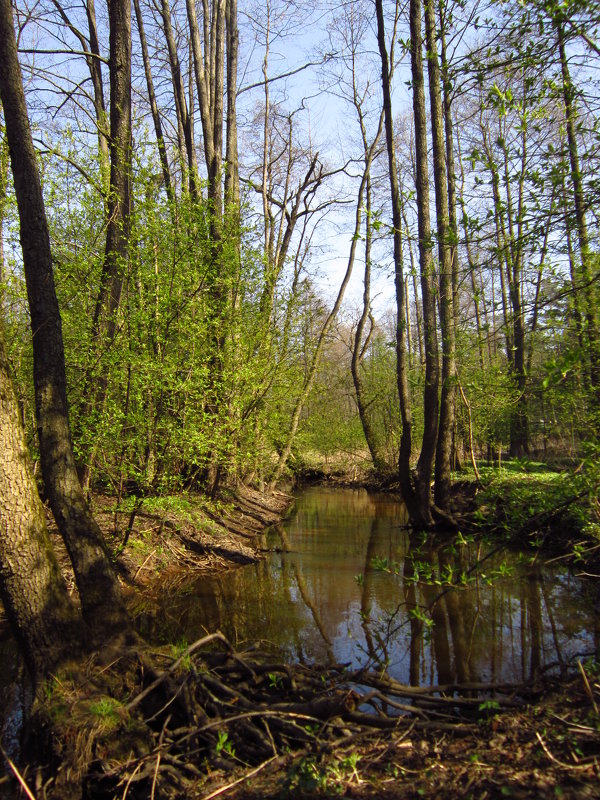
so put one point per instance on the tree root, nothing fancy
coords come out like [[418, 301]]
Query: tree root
[[214, 713]]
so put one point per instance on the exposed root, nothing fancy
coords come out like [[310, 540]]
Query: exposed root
[[213, 720]]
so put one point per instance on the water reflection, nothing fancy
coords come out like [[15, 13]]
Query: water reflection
[[344, 581]]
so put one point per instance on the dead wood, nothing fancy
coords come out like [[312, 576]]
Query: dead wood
[[213, 711]]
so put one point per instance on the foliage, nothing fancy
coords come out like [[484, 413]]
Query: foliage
[[528, 497]]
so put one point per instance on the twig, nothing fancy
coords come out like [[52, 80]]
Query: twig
[[131, 777], [245, 777], [143, 564], [562, 764], [155, 777], [188, 652], [588, 688], [17, 774]]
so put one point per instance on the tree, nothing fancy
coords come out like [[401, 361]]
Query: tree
[[416, 489], [42, 616], [446, 253], [118, 209], [101, 600]]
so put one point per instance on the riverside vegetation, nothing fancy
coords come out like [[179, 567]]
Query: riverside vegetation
[[175, 179]]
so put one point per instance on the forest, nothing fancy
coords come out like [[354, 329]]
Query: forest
[[246, 247]]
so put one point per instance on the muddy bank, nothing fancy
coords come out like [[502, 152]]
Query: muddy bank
[[155, 537]]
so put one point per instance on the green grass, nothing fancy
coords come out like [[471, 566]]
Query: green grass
[[522, 493]]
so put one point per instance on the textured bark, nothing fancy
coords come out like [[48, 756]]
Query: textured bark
[[98, 587], [104, 323], [232, 172], [33, 591], [117, 233], [209, 70]]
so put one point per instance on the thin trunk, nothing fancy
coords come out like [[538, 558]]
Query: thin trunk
[[104, 323], [160, 140], [585, 255], [475, 292], [181, 106], [428, 291], [519, 428], [361, 343], [501, 241], [445, 253], [538, 284], [314, 361], [232, 174], [404, 469], [575, 292]]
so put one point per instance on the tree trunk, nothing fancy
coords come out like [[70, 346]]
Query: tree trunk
[[417, 492], [359, 346], [104, 323], [445, 252], [184, 124], [589, 305], [232, 173], [42, 616], [98, 586], [160, 140], [316, 356], [428, 291]]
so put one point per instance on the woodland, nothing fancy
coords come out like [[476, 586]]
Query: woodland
[[242, 247]]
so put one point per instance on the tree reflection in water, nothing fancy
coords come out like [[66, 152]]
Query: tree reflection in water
[[346, 582]]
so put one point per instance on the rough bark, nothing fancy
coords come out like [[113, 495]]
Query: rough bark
[[98, 586], [181, 107], [104, 323], [33, 591], [232, 173]]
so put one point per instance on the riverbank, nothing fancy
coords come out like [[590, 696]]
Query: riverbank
[[210, 719], [153, 538]]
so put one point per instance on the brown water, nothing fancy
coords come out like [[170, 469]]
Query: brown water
[[340, 584]]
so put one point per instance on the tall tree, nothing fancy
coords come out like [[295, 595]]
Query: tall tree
[[104, 323], [99, 590], [445, 256], [416, 489]]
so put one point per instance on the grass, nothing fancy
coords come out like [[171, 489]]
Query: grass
[[559, 508]]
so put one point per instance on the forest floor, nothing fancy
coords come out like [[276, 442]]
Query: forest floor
[[197, 722]]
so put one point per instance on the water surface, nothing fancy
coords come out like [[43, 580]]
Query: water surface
[[345, 581]]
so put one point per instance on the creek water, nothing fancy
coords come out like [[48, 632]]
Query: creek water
[[343, 580]]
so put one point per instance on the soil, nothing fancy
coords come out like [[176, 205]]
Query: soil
[[184, 738]]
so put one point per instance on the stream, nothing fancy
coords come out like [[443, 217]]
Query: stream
[[342, 580]]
